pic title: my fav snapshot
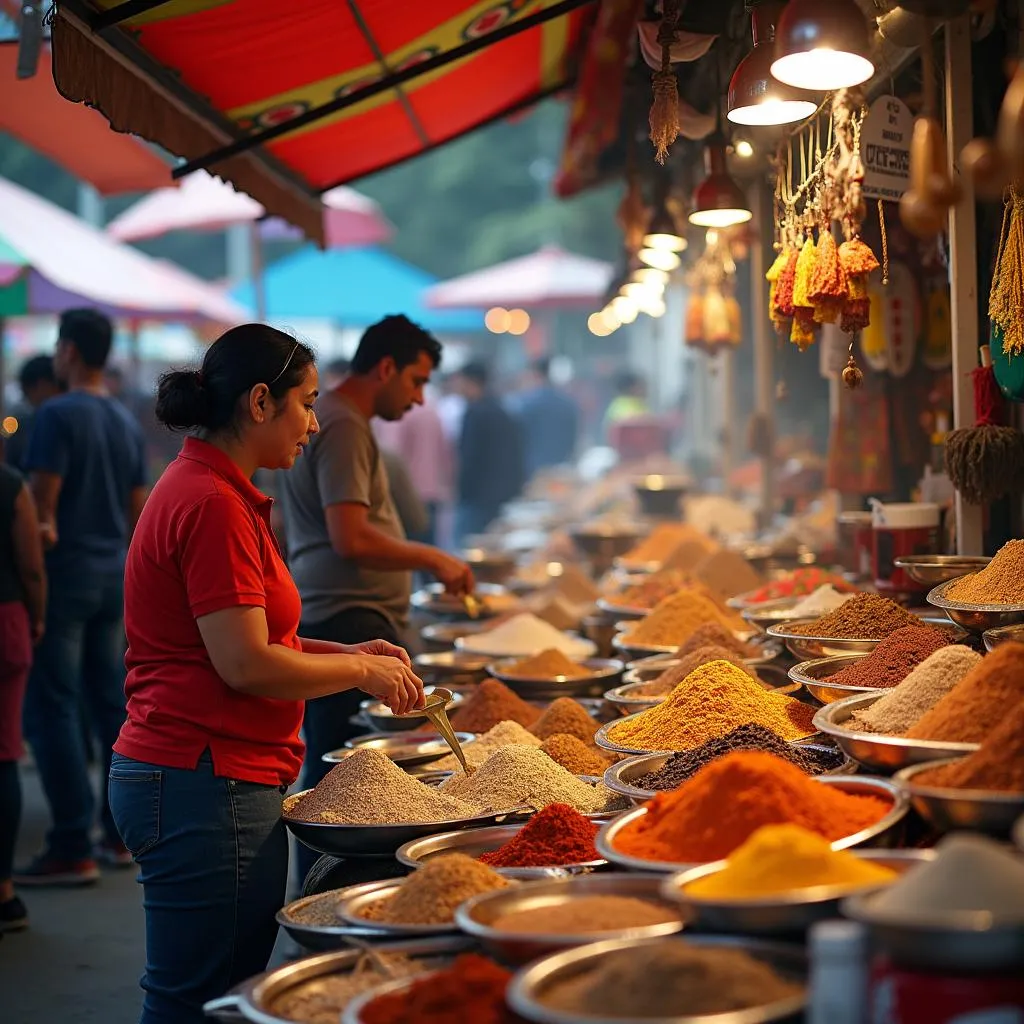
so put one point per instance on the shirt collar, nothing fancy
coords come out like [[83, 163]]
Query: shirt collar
[[196, 450]]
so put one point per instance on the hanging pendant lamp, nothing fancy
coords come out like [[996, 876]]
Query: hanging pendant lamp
[[718, 201], [663, 232], [822, 45], [755, 96]]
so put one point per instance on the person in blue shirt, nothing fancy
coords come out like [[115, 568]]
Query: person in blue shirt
[[38, 384], [548, 419], [87, 468]]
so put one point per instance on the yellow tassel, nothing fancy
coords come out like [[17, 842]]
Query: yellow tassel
[[1006, 304], [664, 113], [804, 270]]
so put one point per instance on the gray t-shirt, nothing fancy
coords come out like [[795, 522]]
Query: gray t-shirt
[[341, 464]]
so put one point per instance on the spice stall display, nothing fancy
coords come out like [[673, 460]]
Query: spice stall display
[[574, 755], [710, 702], [1000, 582], [894, 658], [674, 620], [714, 813], [865, 617], [553, 837], [489, 704], [652, 589]]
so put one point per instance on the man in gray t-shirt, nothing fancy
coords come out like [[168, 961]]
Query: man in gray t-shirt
[[347, 550]]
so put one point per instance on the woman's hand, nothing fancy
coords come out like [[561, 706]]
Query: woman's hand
[[392, 681], [382, 649]]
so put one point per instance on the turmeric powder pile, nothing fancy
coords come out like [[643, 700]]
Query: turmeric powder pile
[[710, 702], [676, 618]]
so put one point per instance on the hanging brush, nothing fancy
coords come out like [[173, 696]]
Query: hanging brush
[[986, 462]]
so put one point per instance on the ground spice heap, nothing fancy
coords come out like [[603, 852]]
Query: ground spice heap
[[490, 703], [894, 658], [674, 620], [574, 755], [368, 788], [682, 767], [977, 705], [716, 635], [669, 979], [430, 895], [587, 915], [1000, 582], [728, 573], [997, 766], [716, 812], [504, 734], [549, 664], [567, 716], [904, 705], [555, 836], [863, 617], [471, 991], [524, 777], [654, 588], [779, 858], [798, 583], [710, 702], [663, 685], [665, 539]]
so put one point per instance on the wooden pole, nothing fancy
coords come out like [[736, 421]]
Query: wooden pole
[[764, 353], [963, 244]]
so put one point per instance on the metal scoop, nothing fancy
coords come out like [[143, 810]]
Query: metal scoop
[[434, 708]]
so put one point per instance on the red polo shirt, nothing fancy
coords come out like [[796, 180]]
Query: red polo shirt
[[204, 543]]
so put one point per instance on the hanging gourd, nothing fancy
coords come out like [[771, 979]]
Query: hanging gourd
[[802, 332]]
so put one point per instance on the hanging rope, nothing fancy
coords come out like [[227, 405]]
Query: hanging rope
[[665, 108]]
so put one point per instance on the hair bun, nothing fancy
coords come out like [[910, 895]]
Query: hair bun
[[182, 401]]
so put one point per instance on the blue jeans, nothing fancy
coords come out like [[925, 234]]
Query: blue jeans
[[80, 659], [213, 863]]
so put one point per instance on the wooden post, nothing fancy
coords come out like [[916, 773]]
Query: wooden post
[[963, 244], [764, 353]]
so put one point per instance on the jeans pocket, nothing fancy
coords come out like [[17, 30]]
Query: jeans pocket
[[134, 795]]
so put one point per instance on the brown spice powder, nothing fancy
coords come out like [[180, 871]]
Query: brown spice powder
[[894, 658], [716, 635], [574, 755], [863, 617], [490, 703], [547, 665], [664, 684], [567, 716], [676, 618], [1000, 582]]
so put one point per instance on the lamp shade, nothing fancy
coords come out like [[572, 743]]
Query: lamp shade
[[822, 45], [755, 96], [718, 201], [662, 232]]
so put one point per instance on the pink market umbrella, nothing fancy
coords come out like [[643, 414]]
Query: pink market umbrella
[[549, 278]]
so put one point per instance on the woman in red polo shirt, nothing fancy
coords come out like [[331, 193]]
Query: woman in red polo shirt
[[217, 676]]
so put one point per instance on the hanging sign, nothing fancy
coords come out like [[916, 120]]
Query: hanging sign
[[885, 148]]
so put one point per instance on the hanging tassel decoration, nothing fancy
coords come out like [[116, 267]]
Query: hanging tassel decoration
[[858, 262], [828, 287], [665, 108], [802, 332], [785, 287], [694, 326], [1006, 300], [772, 276]]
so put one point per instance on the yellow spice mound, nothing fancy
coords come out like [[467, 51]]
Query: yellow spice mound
[[547, 665], [709, 703], [676, 618], [663, 540]]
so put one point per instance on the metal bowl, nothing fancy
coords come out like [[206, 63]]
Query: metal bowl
[[876, 751], [976, 618], [882, 833], [603, 544], [622, 612], [490, 566], [407, 749], [931, 570], [358, 898], [637, 567], [771, 613], [451, 668], [320, 937], [622, 698], [809, 648], [256, 998], [441, 636], [994, 638], [475, 841], [602, 674], [379, 715], [581, 650], [980, 810], [794, 910], [476, 916], [659, 496], [812, 675], [492, 600], [527, 990]]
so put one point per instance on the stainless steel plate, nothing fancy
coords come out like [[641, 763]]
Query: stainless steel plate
[[876, 751], [492, 599], [813, 675], [931, 570], [994, 638], [602, 673], [407, 749], [441, 636], [477, 917], [357, 898], [322, 935], [809, 648], [977, 618], [379, 715], [882, 833], [622, 612], [451, 668]]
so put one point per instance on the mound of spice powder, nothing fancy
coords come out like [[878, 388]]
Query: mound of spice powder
[[977, 705], [557, 835], [710, 702], [674, 620], [574, 755], [566, 716], [863, 617], [548, 664], [997, 766], [716, 635], [1000, 582], [730, 799], [490, 703], [894, 658], [471, 991], [504, 734], [663, 685], [682, 766]]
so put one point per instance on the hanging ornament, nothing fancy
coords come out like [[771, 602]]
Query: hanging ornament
[[802, 332], [828, 288], [853, 375], [664, 117], [857, 262], [694, 325], [1006, 298]]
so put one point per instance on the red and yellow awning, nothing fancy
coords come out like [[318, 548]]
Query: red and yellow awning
[[287, 100]]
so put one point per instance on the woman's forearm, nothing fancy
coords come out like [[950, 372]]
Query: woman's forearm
[[286, 674], [310, 646]]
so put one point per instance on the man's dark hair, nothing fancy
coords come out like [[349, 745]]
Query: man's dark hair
[[396, 337], [37, 370], [476, 372], [90, 332]]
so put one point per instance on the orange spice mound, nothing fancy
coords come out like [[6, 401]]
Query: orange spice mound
[[663, 540], [674, 620], [716, 635], [547, 665], [488, 705], [565, 715], [727, 801]]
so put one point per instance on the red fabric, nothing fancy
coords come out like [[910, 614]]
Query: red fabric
[[203, 544], [15, 662]]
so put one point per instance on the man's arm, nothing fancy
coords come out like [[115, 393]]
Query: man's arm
[[355, 538], [46, 493], [28, 556]]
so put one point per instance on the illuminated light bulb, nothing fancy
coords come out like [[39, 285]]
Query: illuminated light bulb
[[648, 275], [518, 321], [718, 202], [597, 325], [625, 309], [822, 45], [611, 318], [660, 259], [497, 320], [744, 150]]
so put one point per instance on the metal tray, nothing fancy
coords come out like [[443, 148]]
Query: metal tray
[[254, 999], [380, 718], [994, 638], [792, 911], [932, 570], [877, 751], [359, 897], [980, 810], [622, 698], [622, 612], [603, 673], [809, 648], [771, 613], [527, 989], [583, 649], [475, 841], [476, 916], [451, 668], [881, 833], [812, 675], [321, 937], [493, 599], [977, 618], [405, 749], [441, 636]]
